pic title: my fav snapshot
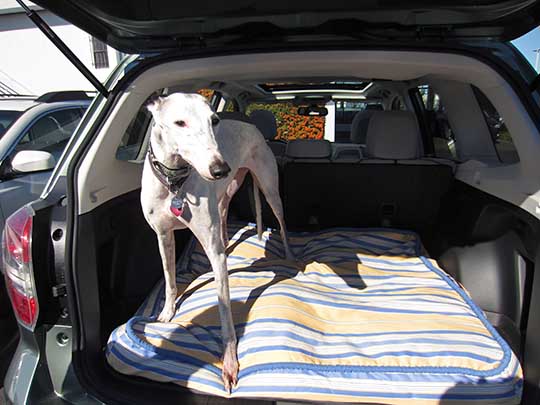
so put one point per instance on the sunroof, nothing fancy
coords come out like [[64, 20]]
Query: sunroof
[[336, 85]]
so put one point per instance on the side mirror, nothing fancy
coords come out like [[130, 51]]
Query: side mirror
[[28, 161]]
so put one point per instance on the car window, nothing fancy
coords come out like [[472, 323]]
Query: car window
[[499, 133], [444, 141], [207, 93], [133, 139], [291, 125], [7, 118], [51, 132]]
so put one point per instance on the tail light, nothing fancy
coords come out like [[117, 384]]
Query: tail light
[[17, 266]]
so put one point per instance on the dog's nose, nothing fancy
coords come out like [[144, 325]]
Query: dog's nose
[[219, 169]]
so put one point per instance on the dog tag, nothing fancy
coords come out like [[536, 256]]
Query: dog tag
[[177, 206]]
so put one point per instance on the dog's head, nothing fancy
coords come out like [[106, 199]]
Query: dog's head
[[186, 126]]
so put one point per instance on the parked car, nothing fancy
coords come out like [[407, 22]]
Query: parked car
[[86, 259], [33, 134]]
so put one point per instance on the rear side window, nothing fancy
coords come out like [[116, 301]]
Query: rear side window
[[133, 139], [499, 133], [51, 132], [208, 94], [444, 141]]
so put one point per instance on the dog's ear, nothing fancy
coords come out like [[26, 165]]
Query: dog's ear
[[154, 103]]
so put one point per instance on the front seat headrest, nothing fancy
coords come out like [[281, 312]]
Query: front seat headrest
[[265, 122]]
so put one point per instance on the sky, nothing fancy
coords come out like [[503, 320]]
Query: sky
[[527, 43]]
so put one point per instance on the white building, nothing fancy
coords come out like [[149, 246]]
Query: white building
[[31, 64]]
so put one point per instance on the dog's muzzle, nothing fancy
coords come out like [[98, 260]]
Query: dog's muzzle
[[219, 169]]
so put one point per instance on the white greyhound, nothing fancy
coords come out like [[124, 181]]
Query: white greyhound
[[188, 134]]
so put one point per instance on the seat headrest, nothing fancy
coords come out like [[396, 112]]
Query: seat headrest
[[359, 126], [393, 135], [309, 149], [234, 115], [265, 122]]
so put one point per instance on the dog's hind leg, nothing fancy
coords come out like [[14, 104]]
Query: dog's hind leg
[[258, 209], [226, 200], [208, 232], [167, 251], [269, 185]]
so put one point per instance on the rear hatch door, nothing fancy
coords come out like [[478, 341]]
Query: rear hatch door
[[141, 26]]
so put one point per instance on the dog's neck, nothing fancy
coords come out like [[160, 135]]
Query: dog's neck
[[171, 177], [170, 160]]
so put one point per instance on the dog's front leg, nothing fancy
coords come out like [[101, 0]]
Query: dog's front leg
[[210, 237], [167, 251], [230, 361]]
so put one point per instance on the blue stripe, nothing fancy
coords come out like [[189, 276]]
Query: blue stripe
[[334, 304], [445, 353], [374, 394], [359, 307], [247, 336], [180, 343], [475, 383], [273, 321], [305, 368], [267, 333], [244, 292]]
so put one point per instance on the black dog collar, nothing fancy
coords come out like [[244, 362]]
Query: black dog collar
[[172, 179]]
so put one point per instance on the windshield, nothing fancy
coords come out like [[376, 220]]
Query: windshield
[[7, 118]]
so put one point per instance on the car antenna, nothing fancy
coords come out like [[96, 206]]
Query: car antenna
[[49, 33]]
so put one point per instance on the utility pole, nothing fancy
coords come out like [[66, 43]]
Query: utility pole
[[537, 51]]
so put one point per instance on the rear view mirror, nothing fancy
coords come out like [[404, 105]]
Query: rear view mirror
[[28, 161], [313, 111]]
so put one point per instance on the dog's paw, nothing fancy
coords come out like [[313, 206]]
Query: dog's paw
[[166, 314], [229, 373]]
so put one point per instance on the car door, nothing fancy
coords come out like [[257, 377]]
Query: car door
[[49, 133]]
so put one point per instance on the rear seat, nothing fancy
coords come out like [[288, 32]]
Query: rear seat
[[394, 186], [306, 174], [359, 125], [400, 188]]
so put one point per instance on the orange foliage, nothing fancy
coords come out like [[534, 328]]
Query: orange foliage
[[290, 124], [207, 93]]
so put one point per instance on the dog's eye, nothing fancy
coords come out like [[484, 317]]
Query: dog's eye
[[180, 123], [215, 121]]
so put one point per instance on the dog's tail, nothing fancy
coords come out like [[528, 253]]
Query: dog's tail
[[258, 209]]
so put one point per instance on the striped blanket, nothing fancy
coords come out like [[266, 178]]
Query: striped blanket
[[363, 317]]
